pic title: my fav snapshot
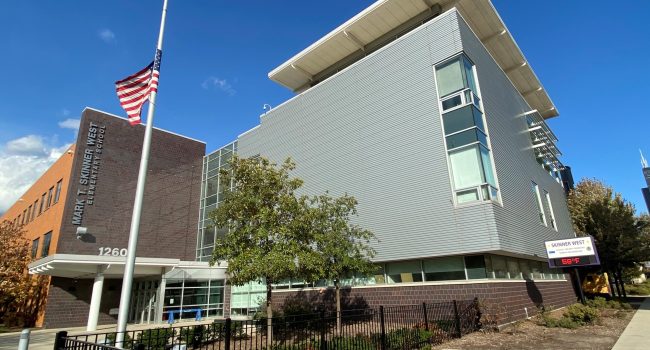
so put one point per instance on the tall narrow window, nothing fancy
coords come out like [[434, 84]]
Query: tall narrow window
[[29, 214], [58, 191], [35, 248], [49, 197], [45, 251], [40, 208], [465, 135], [34, 211], [538, 199], [550, 209]]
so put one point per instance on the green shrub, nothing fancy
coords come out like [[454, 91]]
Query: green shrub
[[582, 314], [110, 340], [598, 303], [638, 289], [408, 338], [155, 339]]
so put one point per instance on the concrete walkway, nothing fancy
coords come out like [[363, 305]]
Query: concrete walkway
[[43, 339], [637, 333]]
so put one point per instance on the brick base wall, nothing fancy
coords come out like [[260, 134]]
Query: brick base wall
[[506, 301], [68, 302]]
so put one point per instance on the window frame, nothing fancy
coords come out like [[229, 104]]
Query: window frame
[[57, 194], [550, 210], [47, 241], [476, 101], [540, 205]]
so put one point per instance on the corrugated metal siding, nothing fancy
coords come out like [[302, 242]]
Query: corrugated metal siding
[[517, 222], [374, 131]]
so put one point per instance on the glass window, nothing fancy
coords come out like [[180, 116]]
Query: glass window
[[536, 270], [455, 75], [499, 266], [462, 118], [452, 102], [465, 138], [513, 268], [40, 208], [450, 78], [404, 272], [45, 251], [444, 269], [57, 194], [466, 169], [538, 200], [487, 166], [30, 213], [49, 197], [475, 266], [550, 209], [524, 266], [35, 248]]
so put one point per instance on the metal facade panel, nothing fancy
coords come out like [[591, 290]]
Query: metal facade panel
[[374, 131], [518, 223]]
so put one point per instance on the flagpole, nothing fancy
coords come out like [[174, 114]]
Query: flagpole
[[127, 281]]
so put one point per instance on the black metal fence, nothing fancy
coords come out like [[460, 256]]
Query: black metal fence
[[385, 328]]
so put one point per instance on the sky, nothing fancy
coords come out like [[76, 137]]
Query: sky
[[58, 57]]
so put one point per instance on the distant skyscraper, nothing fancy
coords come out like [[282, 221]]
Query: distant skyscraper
[[646, 175]]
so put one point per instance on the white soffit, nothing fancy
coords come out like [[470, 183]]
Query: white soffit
[[385, 15]]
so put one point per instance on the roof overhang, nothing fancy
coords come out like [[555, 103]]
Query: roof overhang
[[87, 266], [386, 15]]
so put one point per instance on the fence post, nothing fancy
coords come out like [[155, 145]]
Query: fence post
[[477, 318], [59, 340], [323, 341], [383, 327], [426, 317], [457, 320], [227, 331]]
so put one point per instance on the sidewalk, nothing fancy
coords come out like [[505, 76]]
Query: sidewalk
[[637, 333], [43, 339]]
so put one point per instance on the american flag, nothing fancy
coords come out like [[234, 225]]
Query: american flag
[[134, 90]]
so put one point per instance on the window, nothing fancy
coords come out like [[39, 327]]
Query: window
[[454, 76], [540, 208], [404, 272], [45, 251], [475, 266], [25, 219], [57, 194], [40, 209], [441, 269], [550, 210], [35, 248], [18, 222], [465, 135], [29, 214], [49, 197]]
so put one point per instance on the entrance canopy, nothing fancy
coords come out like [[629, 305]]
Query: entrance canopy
[[86, 266]]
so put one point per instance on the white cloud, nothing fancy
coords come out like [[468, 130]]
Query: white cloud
[[65, 112], [220, 84], [107, 35], [23, 161], [70, 123], [30, 145]]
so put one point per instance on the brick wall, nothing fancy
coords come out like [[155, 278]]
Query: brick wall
[[504, 300], [69, 302]]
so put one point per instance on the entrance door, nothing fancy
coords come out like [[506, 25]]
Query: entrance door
[[143, 301]]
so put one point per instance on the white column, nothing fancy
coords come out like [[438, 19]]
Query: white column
[[95, 301], [160, 302]]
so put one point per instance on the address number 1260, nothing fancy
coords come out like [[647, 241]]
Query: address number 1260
[[107, 251]]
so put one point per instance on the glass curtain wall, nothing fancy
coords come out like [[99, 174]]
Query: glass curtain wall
[[211, 195], [189, 292], [465, 134]]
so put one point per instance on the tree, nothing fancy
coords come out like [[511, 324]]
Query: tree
[[342, 248], [14, 281], [620, 239], [268, 237]]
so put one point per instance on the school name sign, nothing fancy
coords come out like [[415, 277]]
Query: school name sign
[[579, 251]]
